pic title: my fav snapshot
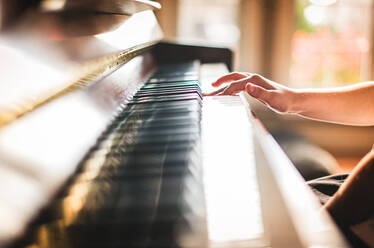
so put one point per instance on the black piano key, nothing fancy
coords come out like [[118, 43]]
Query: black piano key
[[171, 146], [170, 139], [168, 88], [153, 124], [150, 172], [168, 122], [163, 131], [145, 188], [148, 164], [137, 192], [148, 117], [162, 108], [175, 103], [165, 99], [160, 105], [168, 93], [133, 193], [166, 111], [176, 158], [140, 148], [162, 139], [183, 85], [165, 233], [162, 120], [176, 123]]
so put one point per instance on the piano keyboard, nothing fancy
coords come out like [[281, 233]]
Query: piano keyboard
[[141, 185], [146, 182]]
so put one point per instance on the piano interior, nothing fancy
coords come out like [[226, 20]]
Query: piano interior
[[107, 141]]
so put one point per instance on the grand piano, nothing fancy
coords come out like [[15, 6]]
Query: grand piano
[[106, 140]]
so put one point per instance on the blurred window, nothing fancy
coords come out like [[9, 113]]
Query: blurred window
[[213, 21], [331, 44]]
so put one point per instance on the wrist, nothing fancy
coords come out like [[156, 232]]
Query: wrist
[[297, 100]]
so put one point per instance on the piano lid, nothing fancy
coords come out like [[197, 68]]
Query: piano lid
[[42, 68], [13, 11], [127, 7]]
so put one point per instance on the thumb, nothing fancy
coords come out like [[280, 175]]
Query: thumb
[[258, 92]]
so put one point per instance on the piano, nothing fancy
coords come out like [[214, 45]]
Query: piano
[[107, 141]]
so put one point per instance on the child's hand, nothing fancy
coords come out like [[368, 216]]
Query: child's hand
[[278, 97]]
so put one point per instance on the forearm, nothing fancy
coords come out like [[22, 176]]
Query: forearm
[[352, 105]]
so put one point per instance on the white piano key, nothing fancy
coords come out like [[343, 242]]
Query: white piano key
[[233, 201]]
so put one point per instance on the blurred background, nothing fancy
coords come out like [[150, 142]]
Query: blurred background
[[299, 43]]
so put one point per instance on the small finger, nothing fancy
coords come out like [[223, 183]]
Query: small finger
[[229, 78], [260, 81], [235, 87], [258, 92], [215, 92]]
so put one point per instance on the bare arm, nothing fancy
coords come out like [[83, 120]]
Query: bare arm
[[350, 105]]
